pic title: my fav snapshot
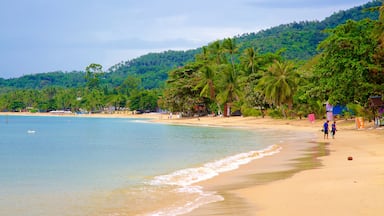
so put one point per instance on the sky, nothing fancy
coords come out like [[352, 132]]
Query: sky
[[38, 36]]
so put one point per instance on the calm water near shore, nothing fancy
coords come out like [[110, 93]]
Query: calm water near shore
[[107, 166]]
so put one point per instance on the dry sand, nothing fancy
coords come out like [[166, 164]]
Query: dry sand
[[304, 179]]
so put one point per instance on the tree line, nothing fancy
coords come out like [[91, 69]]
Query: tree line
[[92, 97]]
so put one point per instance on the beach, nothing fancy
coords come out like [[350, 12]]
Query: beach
[[313, 177], [280, 185]]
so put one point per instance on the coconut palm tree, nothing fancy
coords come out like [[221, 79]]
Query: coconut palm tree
[[230, 91], [279, 84], [216, 51], [207, 76], [250, 60], [229, 46]]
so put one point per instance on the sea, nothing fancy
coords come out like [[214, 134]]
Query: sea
[[118, 166]]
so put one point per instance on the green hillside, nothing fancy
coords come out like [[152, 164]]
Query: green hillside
[[151, 68], [297, 40]]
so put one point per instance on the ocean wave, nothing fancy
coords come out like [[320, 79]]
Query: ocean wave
[[185, 179], [209, 170]]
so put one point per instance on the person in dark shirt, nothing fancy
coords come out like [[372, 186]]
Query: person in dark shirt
[[333, 130], [326, 129]]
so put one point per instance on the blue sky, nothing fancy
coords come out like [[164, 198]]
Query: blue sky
[[49, 35]]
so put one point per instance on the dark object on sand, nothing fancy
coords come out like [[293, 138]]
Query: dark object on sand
[[350, 158]]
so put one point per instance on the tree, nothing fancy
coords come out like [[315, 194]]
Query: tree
[[207, 76], [377, 71], [229, 46], [216, 52], [130, 85], [47, 100], [253, 66], [230, 89], [65, 98], [145, 100], [92, 74], [249, 60], [343, 74], [93, 100], [279, 84], [181, 93]]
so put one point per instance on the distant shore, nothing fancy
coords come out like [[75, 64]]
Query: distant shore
[[96, 115], [289, 183]]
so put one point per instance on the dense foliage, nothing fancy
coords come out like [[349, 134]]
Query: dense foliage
[[289, 70], [347, 71]]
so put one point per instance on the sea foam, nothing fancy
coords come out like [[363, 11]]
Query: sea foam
[[209, 170], [185, 179]]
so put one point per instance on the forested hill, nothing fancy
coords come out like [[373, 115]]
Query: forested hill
[[37, 81], [298, 41], [152, 68]]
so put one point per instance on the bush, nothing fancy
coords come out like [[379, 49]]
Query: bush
[[34, 110], [355, 109], [274, 113], [347, 115], [247, 111]]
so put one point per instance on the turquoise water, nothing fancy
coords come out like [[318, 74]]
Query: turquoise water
[[106, 166]]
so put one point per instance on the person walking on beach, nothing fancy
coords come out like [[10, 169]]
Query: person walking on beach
[[333, 130], [326, 129]]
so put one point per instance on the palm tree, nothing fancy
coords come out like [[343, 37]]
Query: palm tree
[[230, 89], [229, 46], [279, 84], [204, 55], [207, 76], [250, 59], [230, 84], [216, 50]]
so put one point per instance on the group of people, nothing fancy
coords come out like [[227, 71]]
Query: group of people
[[326, 129]]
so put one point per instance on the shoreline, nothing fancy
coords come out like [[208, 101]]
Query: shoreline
[[290, 183], [92, 115], [336, 186]]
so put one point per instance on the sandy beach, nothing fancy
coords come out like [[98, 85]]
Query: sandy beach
[[305, 178]]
